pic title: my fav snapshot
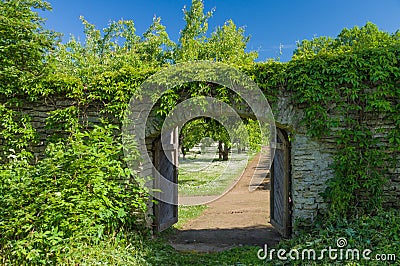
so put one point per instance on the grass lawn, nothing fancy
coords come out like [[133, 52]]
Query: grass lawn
[[201, 174], [187, 213], [379, 233]]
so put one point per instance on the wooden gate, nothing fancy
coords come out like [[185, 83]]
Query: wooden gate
[[166, 214], [280, 185]]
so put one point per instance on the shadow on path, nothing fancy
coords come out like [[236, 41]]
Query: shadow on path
[[238, 218], [214, 240]]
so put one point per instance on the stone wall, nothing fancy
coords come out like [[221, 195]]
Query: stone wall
[[39, 111], [311, 159], [310, 164]]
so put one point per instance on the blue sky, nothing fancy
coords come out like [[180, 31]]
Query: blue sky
[[270, 23]]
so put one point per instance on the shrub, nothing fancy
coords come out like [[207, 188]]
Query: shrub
[[81, 191]]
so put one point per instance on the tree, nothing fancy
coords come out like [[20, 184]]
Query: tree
[[115, 47], [111, 63], [226, 44], [193, 36], [254, 133], [25, 52], [220, 133], [25, 45], [197, 129], [192, 133], [366, 37]]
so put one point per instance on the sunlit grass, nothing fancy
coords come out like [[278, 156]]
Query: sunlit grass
[[187, 213], [200, 174]]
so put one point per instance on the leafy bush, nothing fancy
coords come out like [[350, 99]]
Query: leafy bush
[[16, 133], [81, 192], [348, 90], [349, 87], [130, 250], [379, 233]]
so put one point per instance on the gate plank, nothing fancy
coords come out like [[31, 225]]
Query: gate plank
[[280, 215], [166, 214]]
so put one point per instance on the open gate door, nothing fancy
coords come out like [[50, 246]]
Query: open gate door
[[166, 214], [280, 183]]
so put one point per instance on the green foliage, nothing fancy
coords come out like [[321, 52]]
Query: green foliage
[[355, 39], [193, 132], [102, 70], [25, 45], [379, 233], [193, 35], [226, 44], [64, 119], [16, 134], [254, 133], [81, 191], [343, 84], [270, 77], [348, 84], [113, 48], [130, 250], [240, 135]]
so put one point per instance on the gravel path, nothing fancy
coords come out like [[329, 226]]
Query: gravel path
[[238, 218]]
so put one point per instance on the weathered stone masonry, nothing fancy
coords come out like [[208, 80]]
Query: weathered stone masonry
[[311, 159]]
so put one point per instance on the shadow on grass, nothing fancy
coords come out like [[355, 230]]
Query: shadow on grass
[[208, 240], [193, 182]]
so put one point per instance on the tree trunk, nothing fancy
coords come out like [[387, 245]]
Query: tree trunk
[[183, 149], [181, 136], [220, 151], [225, 154]]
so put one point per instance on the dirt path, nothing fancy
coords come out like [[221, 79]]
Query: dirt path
[[238, 218]]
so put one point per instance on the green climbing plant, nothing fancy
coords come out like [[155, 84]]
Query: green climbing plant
[[349, 87], [343, 85]]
